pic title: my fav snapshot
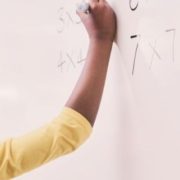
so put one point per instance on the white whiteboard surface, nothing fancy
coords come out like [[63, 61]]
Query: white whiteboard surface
[[149, 40], [136, 136], [43, 47]]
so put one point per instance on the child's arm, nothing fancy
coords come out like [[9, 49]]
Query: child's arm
[[101, 26]]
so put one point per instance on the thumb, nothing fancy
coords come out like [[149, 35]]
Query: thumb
[[82, 15]]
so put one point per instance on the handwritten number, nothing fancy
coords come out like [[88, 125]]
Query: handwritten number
[[135, 54], [61, 61], [173, 42], [131, 6], [70, 58], [80, 58], [65, 19]]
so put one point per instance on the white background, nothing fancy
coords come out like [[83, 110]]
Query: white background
[[136, 136], [37, 37]]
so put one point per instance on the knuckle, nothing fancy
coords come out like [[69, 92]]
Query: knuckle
[[94, 6]]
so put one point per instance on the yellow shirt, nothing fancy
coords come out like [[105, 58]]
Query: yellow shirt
[[61, 136]]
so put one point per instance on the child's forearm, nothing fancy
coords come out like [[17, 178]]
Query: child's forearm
[[87, 94], [101, 27]]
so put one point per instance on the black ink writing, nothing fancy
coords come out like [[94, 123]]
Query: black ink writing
[[133, 8], [65, 19], [70, 60], [136, 50], [153, 47], [173, 42]]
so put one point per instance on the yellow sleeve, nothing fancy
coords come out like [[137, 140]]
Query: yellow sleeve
[[61, 136]]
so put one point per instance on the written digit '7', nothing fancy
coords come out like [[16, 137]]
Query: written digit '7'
[[136, 50], [173, 42]]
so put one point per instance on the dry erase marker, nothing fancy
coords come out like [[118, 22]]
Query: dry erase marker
[[83, 7]]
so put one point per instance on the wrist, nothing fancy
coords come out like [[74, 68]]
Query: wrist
[[105, 37], [102, 41]]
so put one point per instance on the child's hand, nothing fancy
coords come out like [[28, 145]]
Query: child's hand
[[101, 22]]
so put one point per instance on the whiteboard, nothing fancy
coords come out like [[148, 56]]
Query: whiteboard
[[148, 38], [136, 137], [43, 46]]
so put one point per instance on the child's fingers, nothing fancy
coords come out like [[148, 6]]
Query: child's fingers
[[82, 15], [79, 13]]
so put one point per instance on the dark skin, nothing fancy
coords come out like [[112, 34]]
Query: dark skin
[[101, 27]]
